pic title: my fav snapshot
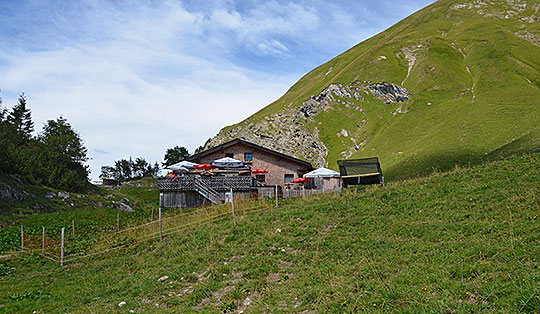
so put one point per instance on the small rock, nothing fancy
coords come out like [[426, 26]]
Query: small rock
[[123, 207], [50, 195], [64, 195], [163, 278], [278, 230], [122, 303]]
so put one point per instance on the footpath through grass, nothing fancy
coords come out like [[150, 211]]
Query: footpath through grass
[[458, 242]]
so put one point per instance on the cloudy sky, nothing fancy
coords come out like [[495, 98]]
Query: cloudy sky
[[137, 77]]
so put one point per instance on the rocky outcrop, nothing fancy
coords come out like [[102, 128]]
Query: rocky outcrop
[[122, 206], [389, 93], [14, 191], [529, 37], [292, 131], [509, 9], [329, 95], [11, 194]]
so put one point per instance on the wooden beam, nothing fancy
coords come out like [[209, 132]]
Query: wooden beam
[[362, 175]]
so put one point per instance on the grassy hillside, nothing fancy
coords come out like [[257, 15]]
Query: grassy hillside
[[466, 241], [474, 73], [94, 211]]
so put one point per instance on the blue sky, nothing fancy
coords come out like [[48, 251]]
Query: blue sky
[[137, 77]]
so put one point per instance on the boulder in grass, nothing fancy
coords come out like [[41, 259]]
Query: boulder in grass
[[122, 207]]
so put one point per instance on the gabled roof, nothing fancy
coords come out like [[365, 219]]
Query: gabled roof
[[240, 141]]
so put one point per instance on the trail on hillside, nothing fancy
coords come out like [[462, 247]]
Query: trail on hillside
[[473, 87], [411, 59]]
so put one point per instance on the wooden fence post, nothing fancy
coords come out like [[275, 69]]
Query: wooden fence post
[[303, 192], [22, 238], [43, 242], [73, 227], [62, 249], [232, 202], [277, 205], [160, 234], [118, 222]]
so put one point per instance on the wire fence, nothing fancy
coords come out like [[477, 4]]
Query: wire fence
[[64, 249]]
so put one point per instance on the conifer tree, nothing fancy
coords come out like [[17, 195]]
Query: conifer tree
[[20, 119]]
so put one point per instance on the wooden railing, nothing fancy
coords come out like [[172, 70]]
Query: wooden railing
[[221, 184], [206, 191]]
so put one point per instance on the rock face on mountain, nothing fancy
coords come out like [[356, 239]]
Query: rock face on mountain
[[389, 92], [285, 131], [454, 83]]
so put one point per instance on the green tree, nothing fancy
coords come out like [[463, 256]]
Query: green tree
[[20, 119], [63, 142], [108, 172], [124, 169], [175, 155], [64, 155], [129, 169], [54, 158]]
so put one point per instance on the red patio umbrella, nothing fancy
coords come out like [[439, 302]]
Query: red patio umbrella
[[300, 180], [258, 171], [204, 167]]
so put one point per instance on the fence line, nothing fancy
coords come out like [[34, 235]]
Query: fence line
[[156, 235], [199, 217]]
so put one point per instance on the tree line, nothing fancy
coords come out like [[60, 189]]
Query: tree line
[[132, 169], [54, 157]]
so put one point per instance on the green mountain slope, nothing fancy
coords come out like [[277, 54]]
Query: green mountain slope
[[471, 74], [466, 241]]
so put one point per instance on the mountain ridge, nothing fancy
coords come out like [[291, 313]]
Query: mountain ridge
[[472, 71]]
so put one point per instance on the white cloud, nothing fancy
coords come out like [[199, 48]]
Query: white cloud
[[223, 19], [135, 78], [272, 47]]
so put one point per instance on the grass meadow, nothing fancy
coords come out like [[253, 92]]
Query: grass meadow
[[464, 241]]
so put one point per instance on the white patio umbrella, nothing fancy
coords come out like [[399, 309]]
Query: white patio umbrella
[[322, 173], [227, 162], [183, 164]]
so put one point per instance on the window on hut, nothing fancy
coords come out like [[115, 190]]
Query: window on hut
[[248, 157], [260, 178], [230, 155], [289, 178]]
